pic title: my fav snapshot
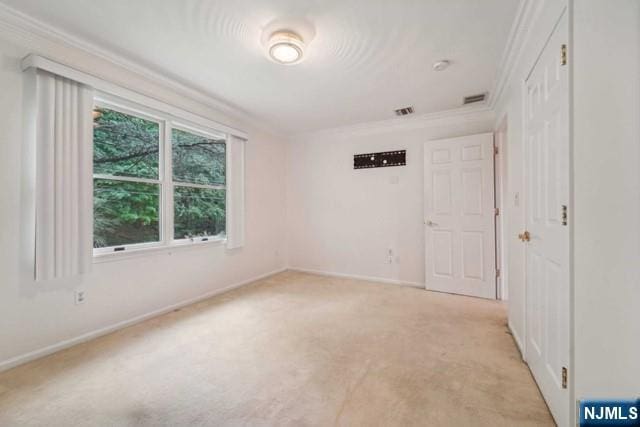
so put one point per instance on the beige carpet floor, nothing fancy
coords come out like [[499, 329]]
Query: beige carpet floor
[[291, 350]]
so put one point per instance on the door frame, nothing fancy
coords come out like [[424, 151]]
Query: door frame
[[500, 168]]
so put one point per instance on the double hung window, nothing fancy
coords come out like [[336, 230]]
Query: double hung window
[[157, 182]]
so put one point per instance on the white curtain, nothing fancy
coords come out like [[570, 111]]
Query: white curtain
[[235, 192], [64, 177]]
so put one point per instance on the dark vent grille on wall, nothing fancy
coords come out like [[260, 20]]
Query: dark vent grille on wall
[[404, 111], [474, 98], [380, 160]]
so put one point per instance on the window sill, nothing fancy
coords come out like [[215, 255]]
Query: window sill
[[155, 250]]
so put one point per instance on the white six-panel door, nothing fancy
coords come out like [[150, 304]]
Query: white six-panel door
[[460, 216], [547, 203]]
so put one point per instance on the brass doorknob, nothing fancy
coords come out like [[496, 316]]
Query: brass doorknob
[[525, 237]]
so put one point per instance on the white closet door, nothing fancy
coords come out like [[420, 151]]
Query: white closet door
[[547, 239]]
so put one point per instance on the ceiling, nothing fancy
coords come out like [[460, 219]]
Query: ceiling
[[366, 58]]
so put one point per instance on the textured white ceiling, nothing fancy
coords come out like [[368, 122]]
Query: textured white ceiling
[[367, 57]]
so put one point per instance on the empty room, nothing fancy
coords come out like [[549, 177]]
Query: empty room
[[319, 213]]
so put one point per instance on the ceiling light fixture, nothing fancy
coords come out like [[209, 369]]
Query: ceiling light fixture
[[286, 47], [440, 65]]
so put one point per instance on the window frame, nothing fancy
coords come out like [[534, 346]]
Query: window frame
[[181, 125], [167, 123]]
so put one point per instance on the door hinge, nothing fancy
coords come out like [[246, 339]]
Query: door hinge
[[497, 211], [563, 54], [496, 150], [564, 377], [497, 272], [564, 215]]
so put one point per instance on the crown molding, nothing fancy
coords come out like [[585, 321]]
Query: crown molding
[[440, 118], [57, 44], [516, 42]]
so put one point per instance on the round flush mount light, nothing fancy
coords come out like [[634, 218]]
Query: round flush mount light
[[441, 65], [286, 47]]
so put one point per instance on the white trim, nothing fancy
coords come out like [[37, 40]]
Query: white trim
[[110, 102], [209, 238], [167, 208], [517, 340], [151, 113], [125, 178], [525, 28], [41, 63], [136, 251], [501, 167], [440, 118], [219, 137], [513, 49], [359, 277], [128, 248], [36, 354], [201, 186]]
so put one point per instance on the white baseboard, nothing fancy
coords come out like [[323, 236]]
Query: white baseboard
[[517, 339], [36, 354], [358, 277]]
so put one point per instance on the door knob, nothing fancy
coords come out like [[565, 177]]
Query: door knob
[[525, 237], [430, 223]]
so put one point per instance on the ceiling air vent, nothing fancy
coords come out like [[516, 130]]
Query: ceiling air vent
[[474, 98], [404, 111]]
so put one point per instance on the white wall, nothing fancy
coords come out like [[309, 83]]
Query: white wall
[[37, 315], [606, 149], [342, 220]]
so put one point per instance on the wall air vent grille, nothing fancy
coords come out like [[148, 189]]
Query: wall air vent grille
[[474, 98], [404, 111]]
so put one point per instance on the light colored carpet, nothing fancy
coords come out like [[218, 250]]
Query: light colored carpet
[[291, 350]]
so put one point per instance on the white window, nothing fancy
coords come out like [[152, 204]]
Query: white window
[[157, 182], [199, 180]]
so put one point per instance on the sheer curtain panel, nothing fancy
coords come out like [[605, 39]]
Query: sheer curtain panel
[[64, 181]]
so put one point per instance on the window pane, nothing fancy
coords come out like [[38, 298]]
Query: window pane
[[198, 212], [124, 145], [198, 160], [125, 213]]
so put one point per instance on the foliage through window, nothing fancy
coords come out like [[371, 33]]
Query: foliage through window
[[199, 200], [134, 168], [125, 212], [126, 194], [125, 145]]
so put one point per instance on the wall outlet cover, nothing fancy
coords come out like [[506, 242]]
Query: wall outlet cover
[[80, 297]]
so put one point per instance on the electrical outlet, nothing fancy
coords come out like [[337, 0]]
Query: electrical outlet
[[80, 297]]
